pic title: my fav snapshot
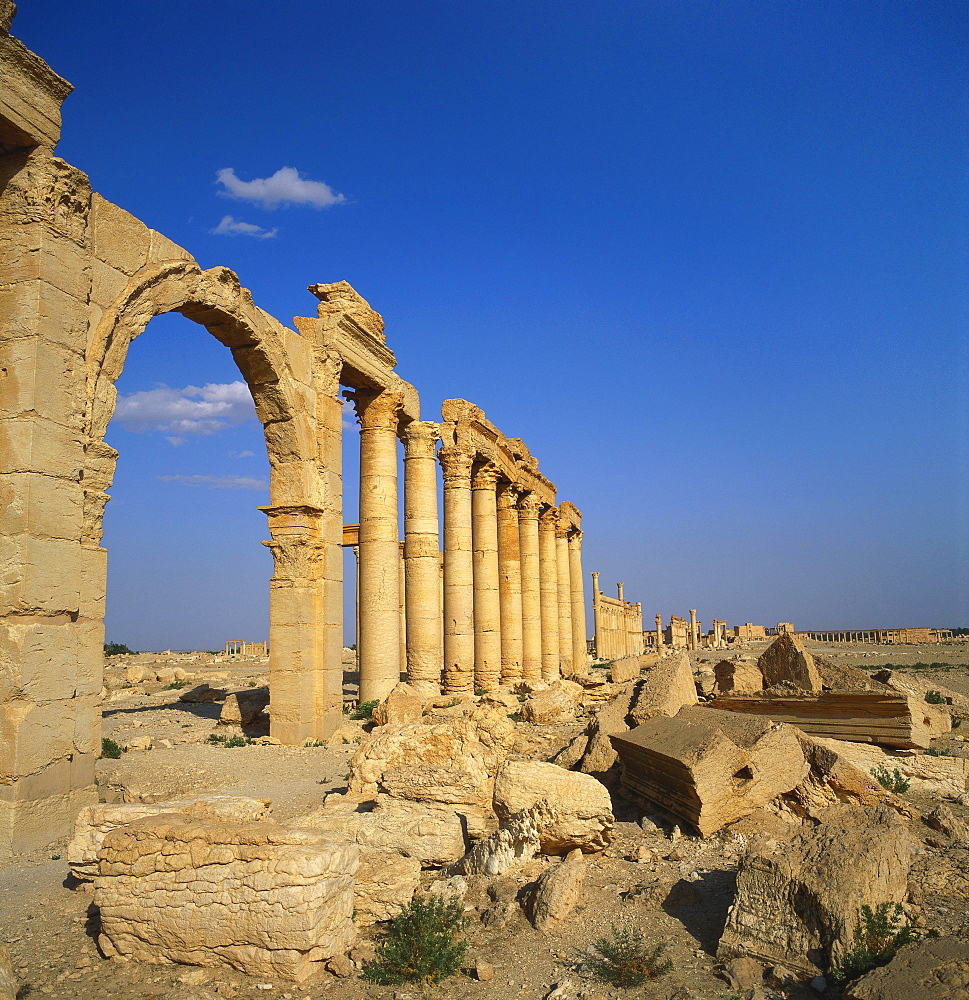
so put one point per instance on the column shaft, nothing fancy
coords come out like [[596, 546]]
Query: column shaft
[[422, 574], [458, 572], [548, 568], [564, 589], [580, 646], [379, 653], [487, 605], [528, 507], [510, 585]]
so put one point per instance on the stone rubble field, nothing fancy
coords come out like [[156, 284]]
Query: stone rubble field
[[221, 865]]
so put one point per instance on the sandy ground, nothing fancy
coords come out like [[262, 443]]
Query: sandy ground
[[48, 920]]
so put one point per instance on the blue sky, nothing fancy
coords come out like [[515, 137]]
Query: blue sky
[[707, 258]]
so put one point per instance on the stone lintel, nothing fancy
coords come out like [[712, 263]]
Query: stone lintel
[[31, 94]]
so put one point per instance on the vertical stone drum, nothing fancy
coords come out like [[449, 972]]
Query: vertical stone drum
[[659, 633], [487, 606], [528, 508], [564, 589], [379, 653], [548, 567], [597, 618], [422, 559], [510, 584], [580, 645], [458, 572], [694, 633]]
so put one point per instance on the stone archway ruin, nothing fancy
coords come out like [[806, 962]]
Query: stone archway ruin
[[80, 279]]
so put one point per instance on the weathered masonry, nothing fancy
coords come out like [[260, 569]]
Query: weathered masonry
[[79, 280]]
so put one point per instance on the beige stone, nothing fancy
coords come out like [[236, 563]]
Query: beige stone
[[95, 822], [514, 843], [667, 687], [933, 968], [452, 762], [263, 899], [432, 834], [241, 707], [627, 668], [738, 675], [404, 704], [799, 900], [557, 703], [9, 988], [557, 892], [202, 694], [581, 805], [707, 768], [134, 674], [385, 881], [786, 661]]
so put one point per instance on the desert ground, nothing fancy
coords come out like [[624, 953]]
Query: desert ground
[[675, 887]]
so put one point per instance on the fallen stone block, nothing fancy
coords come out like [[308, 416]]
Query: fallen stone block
[[787, 662], [557, 703], [739, 675], [432, 834], [799, 900], [582, 805], [627, 668], [202, 694], [452, 762], [557, 892], [514, 843], [385, 881], [241, 707], [264, 899], [9, 989], [667, 687], [404, 704], [703, 769], [888, 718], [95, 822]]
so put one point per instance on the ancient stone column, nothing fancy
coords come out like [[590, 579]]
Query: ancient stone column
[[548, 570], [580, 646], [528, 507], [379, 653], [622, 633], [597, 617], [509, 584], [694, 637], [422, 573], [458, 572], [487, 605], [564, 598], [659, 633]]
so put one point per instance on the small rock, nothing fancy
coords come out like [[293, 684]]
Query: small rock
[[819, 984], [362, 954], [483, 971], [340, 966], [194, 977]]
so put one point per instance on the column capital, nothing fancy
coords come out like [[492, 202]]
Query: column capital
[[575, 538], [376, 410], [485, 477], [508, 495], [529, 504], [549, 518], [455, 465], [420, 437]]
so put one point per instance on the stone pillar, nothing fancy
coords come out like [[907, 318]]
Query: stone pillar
[[580, 646], [564, 598], [487, 606], [597, 618], [458, 572], [694, 636], [659, 633], [422, 574], [528, 507], [510, 585], [622, 633], [356, 607], [379, 652], [548, 569]]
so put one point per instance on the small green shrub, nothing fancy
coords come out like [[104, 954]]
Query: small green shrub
[[175, 685], [936, 752], [878, 935], [237, 741], [935, 697], [515, 716], [891, 780], [116, 649], [111, 750], [625, 959], [365, 710], [422, 944], [314, 743]]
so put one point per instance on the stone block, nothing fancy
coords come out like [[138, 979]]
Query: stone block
[[37, 308], [557, 892], [385, 881], [666, 688], [557, 703], [799, 900], [32, 821], [739, 675], [241, 707], [119, 239], [514, 843], [264, 899], [936, 968], [43, 380], [786, 661], [36, 252], [41, 504], [95, 822], [581, 805], [404, 704], [161, 248], [628, 668]]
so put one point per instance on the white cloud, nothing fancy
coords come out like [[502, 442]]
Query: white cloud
[[242, 454], [285, 187], [235, 227], [190, 411], [219, 482]]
